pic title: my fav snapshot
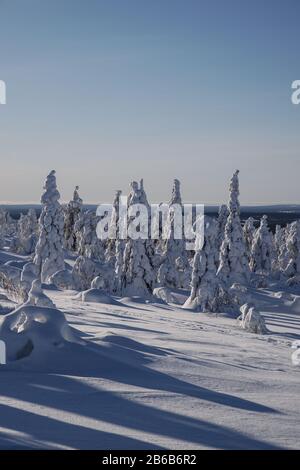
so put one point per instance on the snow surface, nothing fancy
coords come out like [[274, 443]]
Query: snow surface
[[155, 376]]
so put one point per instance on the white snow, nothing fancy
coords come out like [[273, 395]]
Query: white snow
[[151, 376]]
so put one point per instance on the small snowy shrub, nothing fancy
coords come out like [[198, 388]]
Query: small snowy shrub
[[251, 320]]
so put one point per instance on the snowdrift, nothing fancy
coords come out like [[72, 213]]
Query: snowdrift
[[98, 296], [168, 296], [32, 333]]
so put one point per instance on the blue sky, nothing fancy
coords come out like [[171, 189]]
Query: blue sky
[[108, 91]]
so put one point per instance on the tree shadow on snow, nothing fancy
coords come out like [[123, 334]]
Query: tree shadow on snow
[[122, 361]]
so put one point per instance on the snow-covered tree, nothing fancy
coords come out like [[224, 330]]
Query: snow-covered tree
[[283, 255], [87, 242], [233, 266], [206, 292], [72, 214], [113, 230], [8, 225], [83, 272], [176, 194], [279, 249], [49, 257], [249, 231], [27, 233], [134, 270], [175, 269], [262, 256], [222, 219], [292, 270]]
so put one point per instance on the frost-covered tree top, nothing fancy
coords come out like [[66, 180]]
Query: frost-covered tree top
[[76, 198], [50, 195], [137, 194], [176, 194], [71, 214], [234, 204]]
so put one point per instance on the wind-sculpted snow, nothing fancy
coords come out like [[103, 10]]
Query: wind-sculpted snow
[[33, 333], [98, 296]]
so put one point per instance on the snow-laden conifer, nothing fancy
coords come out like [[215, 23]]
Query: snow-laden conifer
[[262, 256], [71, 215], [49, 257], [206, 288], [233, 266]]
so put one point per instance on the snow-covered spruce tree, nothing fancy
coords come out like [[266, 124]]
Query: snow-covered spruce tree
[[71, 215], [83, 272], [280, 249], [233, 266], [49, 257], [262, 256], [113, 230], [292, 270], [8, 225], [27, 233], [206, 292], [87, 242], [176, 194], [283, 251], [249, 231], [222, 219], [134, 271], [175, 269]]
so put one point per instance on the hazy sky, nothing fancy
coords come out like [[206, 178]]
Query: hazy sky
[[106, 91]]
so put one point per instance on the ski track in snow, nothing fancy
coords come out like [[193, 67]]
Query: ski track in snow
[[160, 377]]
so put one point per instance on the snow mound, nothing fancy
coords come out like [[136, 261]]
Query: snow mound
[[96, 295], [63, 279], [35, 332], [166, 295], [251, 320], [135, 299], [37, 297]]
